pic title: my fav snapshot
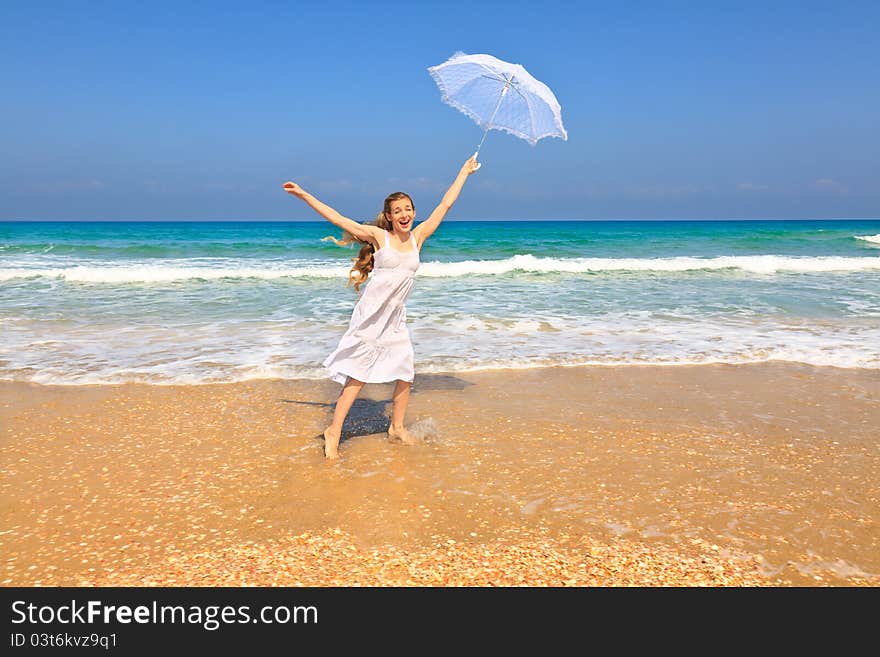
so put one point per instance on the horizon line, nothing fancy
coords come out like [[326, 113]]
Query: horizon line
[[195, 221]]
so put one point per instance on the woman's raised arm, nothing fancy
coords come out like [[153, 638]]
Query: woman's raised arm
[[359, 231], [425, 229]]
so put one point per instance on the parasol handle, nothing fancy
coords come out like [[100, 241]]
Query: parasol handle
[[497, 105]]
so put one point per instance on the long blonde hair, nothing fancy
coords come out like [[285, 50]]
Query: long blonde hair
[[363, 264]]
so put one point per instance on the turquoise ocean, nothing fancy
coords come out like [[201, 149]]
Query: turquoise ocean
[[202, 302]]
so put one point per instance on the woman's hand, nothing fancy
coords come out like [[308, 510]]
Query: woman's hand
[[471, 165], [293, 189]]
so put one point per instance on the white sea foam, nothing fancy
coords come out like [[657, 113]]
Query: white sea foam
[[873, 239], [759, 264], [166, 274], [188, 353], [762, 264]]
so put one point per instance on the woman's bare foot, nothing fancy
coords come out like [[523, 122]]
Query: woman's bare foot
[[401, 434], [331, 444]]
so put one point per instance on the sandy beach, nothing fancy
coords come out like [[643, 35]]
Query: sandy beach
[[762, 474]]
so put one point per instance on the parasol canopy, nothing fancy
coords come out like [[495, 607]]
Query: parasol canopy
[[499, 95]]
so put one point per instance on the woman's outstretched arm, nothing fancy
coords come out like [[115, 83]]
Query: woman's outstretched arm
[[425, 229], [359, 231]]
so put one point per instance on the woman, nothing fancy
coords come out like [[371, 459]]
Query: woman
[[376, 348]]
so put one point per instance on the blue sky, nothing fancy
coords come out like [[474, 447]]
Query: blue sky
[[199, 111]]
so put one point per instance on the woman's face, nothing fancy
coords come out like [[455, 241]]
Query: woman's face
[[402, 215]]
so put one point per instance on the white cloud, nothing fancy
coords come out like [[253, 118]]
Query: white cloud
[[420, 184], [829, 185], [333, 186], [228, 187], [68, 186], [664, 191]]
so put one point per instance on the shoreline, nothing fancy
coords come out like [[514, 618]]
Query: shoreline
[[750, 474], [441, 373]]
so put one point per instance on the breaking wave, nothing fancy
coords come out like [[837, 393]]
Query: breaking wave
[[154, 273]]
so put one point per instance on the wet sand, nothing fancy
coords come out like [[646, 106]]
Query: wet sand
[[762, 474]]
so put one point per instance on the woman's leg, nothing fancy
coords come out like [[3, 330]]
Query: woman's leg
[[398, 413], [350, 391]]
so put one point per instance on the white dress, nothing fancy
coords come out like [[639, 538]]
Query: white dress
[[377, 348]]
